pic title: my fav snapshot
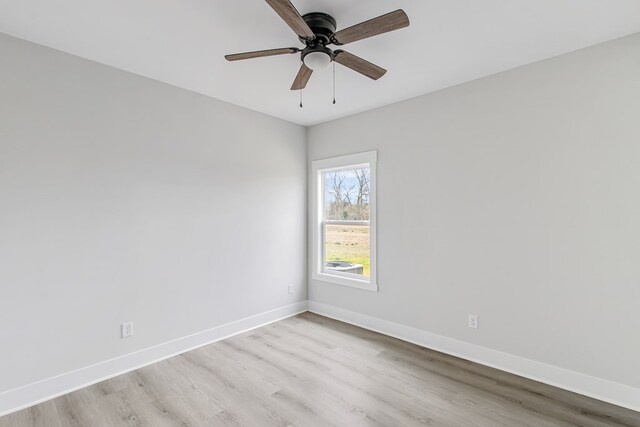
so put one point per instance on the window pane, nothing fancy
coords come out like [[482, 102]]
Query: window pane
[[346, 198], [347, 248], [346, 194]]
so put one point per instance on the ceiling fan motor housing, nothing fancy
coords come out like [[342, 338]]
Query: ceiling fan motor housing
[[322, 25], [317, 54]]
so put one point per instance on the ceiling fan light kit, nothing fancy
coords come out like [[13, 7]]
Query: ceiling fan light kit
[[317, 59], [317, 30]]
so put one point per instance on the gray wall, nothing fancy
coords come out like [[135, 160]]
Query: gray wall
[[515, 197], [125, 199]]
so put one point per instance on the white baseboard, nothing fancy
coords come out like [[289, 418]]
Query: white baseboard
[[597, 388], [34, 393]]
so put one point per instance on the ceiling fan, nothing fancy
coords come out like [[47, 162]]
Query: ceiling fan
[[317, 30]]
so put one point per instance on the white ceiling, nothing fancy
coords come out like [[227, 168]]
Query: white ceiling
[[182, 42]]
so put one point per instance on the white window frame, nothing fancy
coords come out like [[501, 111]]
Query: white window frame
[[352, 161]]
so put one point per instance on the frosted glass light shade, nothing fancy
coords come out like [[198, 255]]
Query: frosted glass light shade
[[317, 60]]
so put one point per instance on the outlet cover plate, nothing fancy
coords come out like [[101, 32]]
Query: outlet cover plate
[[473, 321], [126, 330]]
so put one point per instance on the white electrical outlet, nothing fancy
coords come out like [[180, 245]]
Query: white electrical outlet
[[290, 288], [473, 321], [126, 330]]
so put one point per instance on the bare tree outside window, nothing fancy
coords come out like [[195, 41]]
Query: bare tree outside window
[[347, 195], [362, 175]]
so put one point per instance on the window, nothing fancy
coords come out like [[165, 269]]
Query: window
[[344, 226]]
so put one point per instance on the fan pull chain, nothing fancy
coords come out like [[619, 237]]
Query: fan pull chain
[[334, 82], [301, 63]]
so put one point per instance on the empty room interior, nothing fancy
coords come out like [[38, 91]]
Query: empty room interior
[[320, 213]]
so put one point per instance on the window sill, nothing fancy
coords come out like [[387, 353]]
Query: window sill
[[365, 285]]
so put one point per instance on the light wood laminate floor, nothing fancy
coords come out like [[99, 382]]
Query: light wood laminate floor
[[312, 371]]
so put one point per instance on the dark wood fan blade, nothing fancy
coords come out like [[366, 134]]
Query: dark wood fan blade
[[291, 16], [358, 64], [261, 53], [382, 24], [302, 78]]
